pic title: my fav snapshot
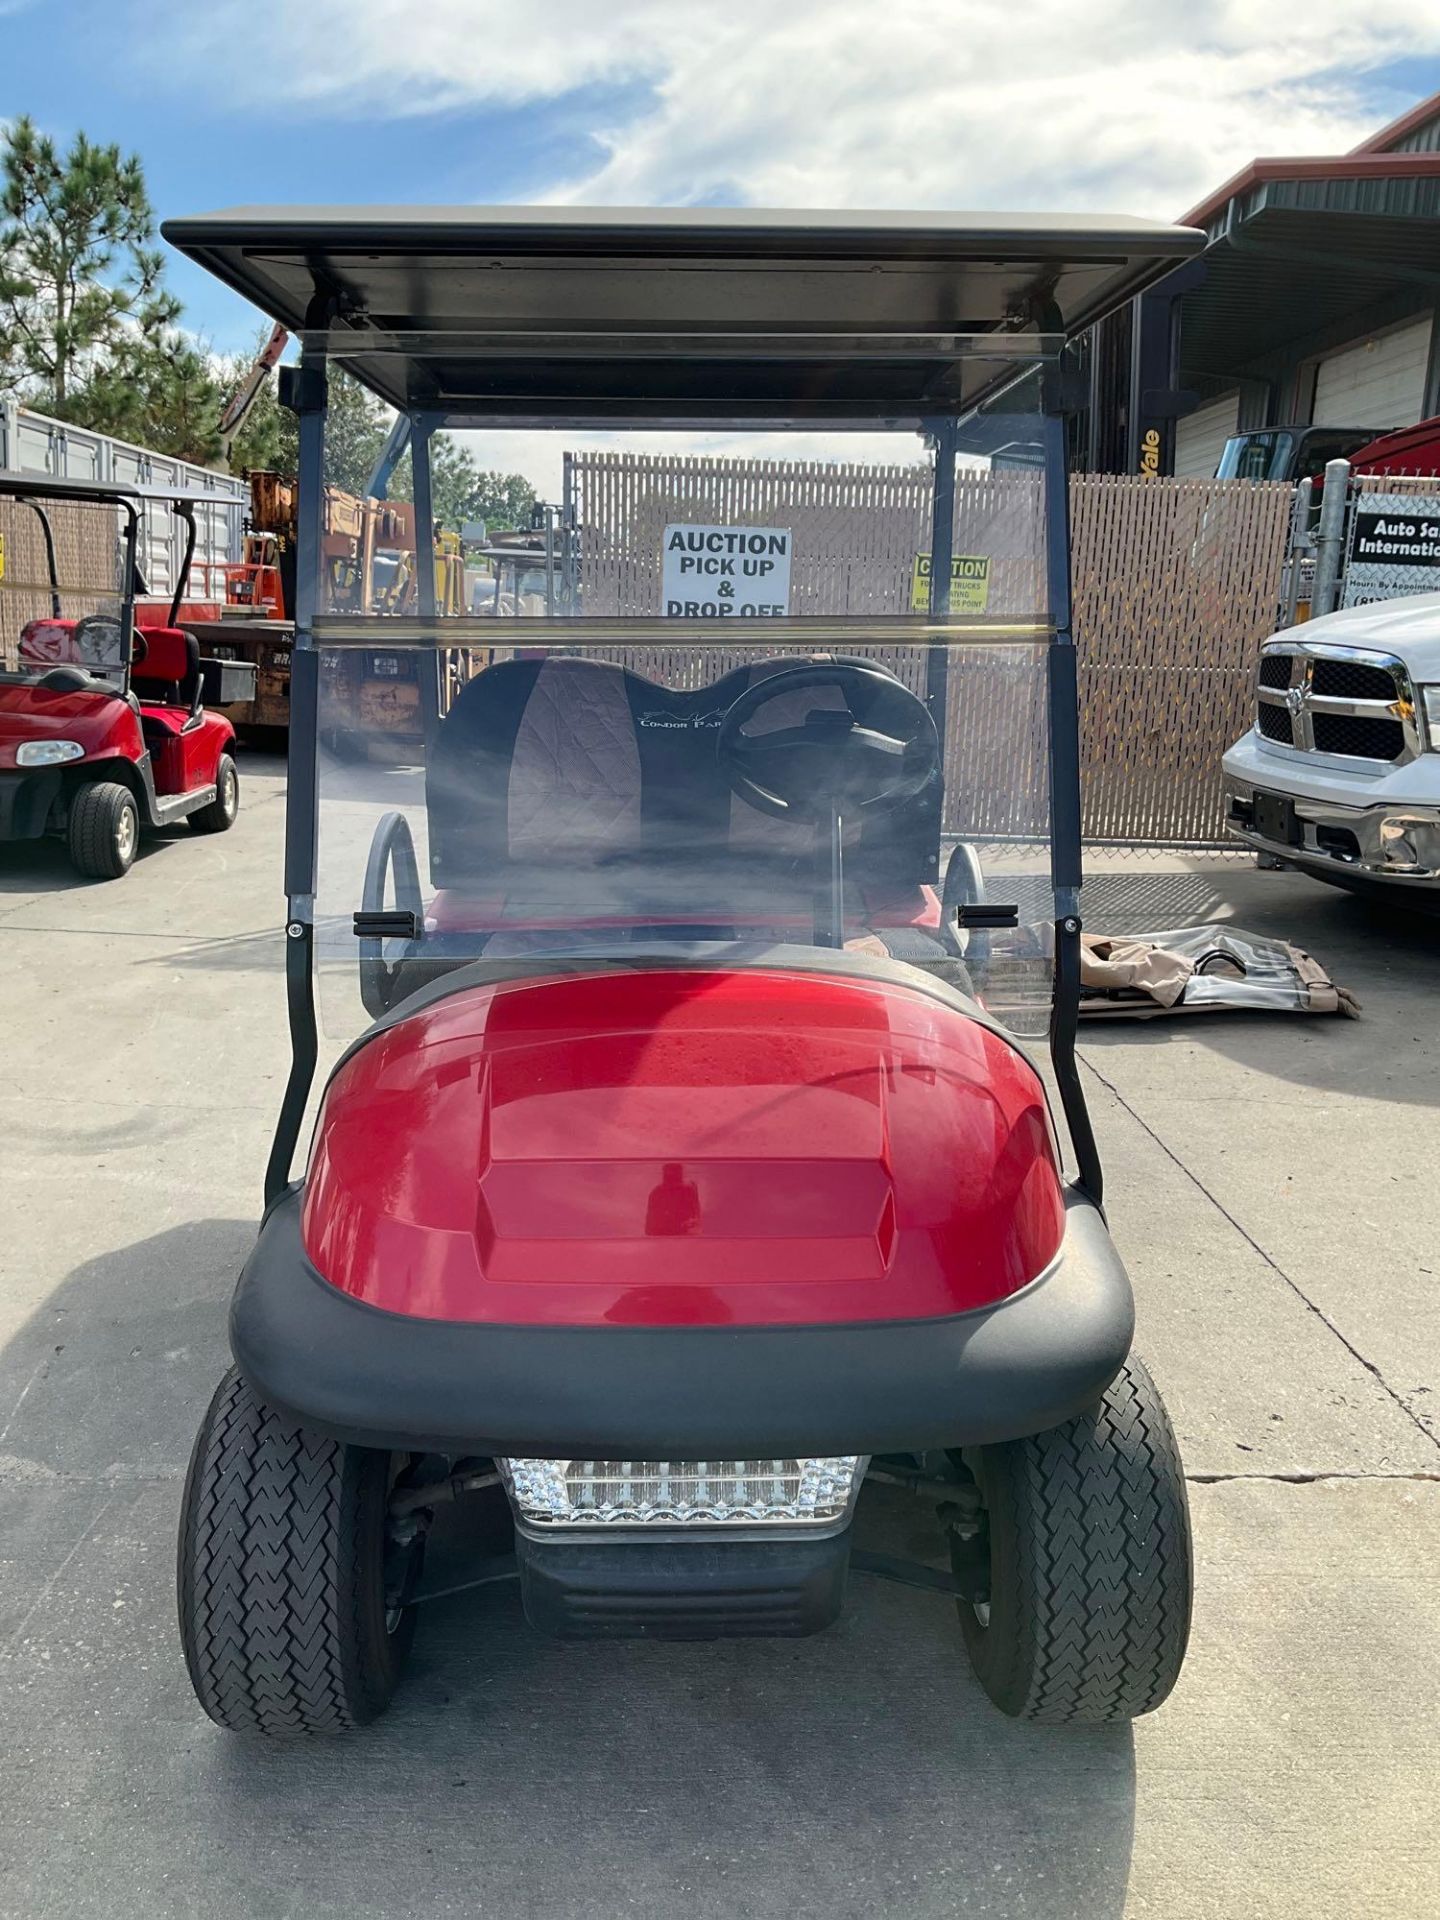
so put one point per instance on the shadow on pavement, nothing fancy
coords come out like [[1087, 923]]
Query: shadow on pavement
[[860, 1772]]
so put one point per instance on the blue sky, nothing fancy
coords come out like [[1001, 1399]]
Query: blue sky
[[1114, 104]]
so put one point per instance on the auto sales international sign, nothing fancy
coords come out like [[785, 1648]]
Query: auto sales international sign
[[1394, 547], [725, 573]]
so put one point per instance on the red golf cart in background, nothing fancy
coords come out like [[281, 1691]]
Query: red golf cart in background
[[683, 1169], [104, 731]]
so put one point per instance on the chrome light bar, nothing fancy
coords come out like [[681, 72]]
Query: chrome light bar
[[683, 1493]]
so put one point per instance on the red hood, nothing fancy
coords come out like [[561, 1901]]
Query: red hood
[[97, 720], [684, 1148]]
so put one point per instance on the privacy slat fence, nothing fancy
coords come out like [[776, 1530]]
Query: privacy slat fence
[[87, 567], [1175, 583]]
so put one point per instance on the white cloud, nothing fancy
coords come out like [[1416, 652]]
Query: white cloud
[[1138, 106], [961, 103]]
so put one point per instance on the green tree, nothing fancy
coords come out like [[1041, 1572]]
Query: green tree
[[79, 282], [165, 394], [502, 500]]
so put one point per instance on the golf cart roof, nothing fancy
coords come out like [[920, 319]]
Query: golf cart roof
[[551, 313], [45, 486]]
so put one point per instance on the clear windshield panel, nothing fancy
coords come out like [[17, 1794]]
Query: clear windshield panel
[[664, 691], [511, 807], [61, 588], [708, 522]]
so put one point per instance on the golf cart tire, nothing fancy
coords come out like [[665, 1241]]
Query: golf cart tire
[[1090, 1563], [220, 815], [282, 1574], [100, 847]]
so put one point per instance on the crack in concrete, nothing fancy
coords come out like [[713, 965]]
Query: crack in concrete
[[1301, 1478], [1270, 1261]]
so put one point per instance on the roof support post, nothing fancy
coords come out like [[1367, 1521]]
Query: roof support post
[[307, 394], [428, 666], [1065, 819]]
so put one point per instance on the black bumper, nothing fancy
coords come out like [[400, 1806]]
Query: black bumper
[[26, 800], [386, 1380]]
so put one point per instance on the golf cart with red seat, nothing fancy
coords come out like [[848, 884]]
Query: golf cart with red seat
[[680, 1167], [103, 726]]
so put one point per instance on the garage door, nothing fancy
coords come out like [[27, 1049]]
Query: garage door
[[1376, 383], [1200, 437]]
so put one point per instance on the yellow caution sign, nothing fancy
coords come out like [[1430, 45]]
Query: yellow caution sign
[[2, 556], [969, 583]]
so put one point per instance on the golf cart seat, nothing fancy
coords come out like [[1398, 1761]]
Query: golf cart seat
[[565, 789], [165, 680], [167, 668]]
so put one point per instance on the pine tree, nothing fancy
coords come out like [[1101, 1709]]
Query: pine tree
[[79, 281]]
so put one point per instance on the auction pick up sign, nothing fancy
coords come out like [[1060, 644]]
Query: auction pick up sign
[[723, 573], [1394, 547]]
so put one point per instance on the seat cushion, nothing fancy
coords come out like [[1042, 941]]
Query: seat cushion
[[594, 785]]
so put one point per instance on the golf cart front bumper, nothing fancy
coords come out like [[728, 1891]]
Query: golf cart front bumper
[[381, 1379], [27, 800]]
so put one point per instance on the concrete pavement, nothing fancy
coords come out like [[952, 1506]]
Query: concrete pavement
[[1272, 1186]]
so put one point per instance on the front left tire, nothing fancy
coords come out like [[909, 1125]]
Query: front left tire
[[103, 830], [282, 1574]]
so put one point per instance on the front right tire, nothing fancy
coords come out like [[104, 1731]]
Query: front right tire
[[1086, 1607], [282, 1574]]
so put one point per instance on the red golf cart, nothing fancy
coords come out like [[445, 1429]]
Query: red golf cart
[[103, 727], [681, 1166]]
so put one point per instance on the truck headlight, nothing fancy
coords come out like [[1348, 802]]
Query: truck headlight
[[1430, 716], [50, 753], [683, 1493]]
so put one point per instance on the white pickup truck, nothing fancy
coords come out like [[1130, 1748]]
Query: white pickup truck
[[1340, 774]]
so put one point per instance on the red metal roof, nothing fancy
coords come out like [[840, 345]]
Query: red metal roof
[[1389, 137], [1340, 166]]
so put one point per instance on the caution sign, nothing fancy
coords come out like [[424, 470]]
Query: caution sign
[[725, 573], [1394, 548], [2, 556], [969, 583]]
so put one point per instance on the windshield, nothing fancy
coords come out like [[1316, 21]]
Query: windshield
[[1257, 456], [716, 718], [61, 589]]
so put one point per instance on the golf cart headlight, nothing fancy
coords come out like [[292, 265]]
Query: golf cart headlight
[[683, 1493], [1430, 716], [48, 753]]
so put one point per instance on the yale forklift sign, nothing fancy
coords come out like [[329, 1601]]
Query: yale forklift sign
[[969, 583], [722, 573]]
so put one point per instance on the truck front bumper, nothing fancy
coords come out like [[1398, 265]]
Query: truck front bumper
[[1369, 834]]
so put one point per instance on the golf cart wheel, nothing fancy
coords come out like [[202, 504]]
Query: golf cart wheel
[[103, 830], [1089, 1563], [282, 1574], [219, 816]]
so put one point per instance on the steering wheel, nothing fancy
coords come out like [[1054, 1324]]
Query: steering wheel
[[392, 853], [877, 748]]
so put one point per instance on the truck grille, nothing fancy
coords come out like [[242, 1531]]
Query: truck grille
[[1275, 669], [1351, 680], [1349, 703], [1358, 736], [1274, 723]]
